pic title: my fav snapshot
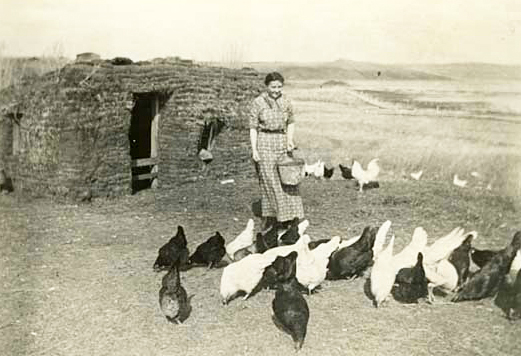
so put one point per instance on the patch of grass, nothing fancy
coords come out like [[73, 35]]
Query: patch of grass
[[337, 127]]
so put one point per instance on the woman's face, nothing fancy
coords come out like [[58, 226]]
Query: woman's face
[[274, 89]]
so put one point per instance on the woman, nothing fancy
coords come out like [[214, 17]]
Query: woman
[[271, 134]]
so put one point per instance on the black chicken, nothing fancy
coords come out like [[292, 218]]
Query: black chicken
[[508, 297], [291, 311], [411, 283], [352, 261], [482, 257], [313, 244], [6, 183], [486, 282], [460, 259], [346, 172], [328, 172], [260, 243], [210, 252], [172, 251], [271, 237], [291, 235]]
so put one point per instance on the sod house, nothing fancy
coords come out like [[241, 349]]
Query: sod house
[[112, 127]]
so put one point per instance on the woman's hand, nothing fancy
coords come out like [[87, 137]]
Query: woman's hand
[[290, 146], [289, 137], [255, 155]]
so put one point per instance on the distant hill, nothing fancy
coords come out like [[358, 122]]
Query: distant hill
[[335, 83], [352, 70], [472, 70]]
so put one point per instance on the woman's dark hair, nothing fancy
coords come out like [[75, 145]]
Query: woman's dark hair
[[272, 77]]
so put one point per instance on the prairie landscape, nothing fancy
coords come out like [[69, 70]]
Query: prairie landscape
[[77, 279]]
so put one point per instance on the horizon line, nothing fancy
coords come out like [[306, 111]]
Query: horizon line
[[333, 61]]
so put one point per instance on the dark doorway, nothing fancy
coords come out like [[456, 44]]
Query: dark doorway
[[139, 135], [143, 140]]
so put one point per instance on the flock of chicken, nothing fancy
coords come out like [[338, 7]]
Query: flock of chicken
[[364, 177], [368, 177], [293, 264]]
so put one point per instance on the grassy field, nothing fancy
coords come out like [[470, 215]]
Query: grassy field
[[460, 138], [78, 279]]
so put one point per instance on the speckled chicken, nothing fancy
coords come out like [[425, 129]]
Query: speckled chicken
[[173, 299]]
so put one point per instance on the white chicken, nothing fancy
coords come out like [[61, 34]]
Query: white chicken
[[365, 176], [408, 256], [516, 263], [318, 172], [459, 182], [309, 169], [442, 275], [285, 250], [312, 265], [244, 239], [417, 175], [348, 242], [383, 275], [326, 249], [443, 247], [380, 238], [302, 227], [244, 275]]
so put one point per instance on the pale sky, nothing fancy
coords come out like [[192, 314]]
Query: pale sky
[[384, 31]]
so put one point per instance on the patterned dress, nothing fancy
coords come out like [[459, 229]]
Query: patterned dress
[[270, 118]]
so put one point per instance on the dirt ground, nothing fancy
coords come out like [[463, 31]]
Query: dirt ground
[[78, 279]]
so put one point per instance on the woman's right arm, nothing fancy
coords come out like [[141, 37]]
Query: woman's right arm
[[254, 123], [253, 140]]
